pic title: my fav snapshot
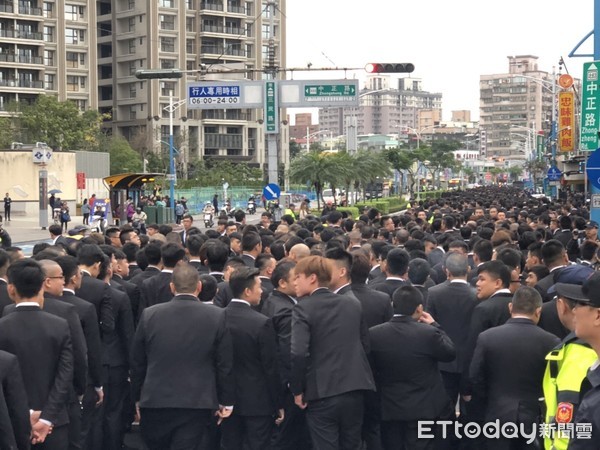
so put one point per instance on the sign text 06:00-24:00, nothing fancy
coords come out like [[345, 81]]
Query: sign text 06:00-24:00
[[210, 100]]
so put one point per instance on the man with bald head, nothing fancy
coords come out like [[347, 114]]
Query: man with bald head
[[299, 251]]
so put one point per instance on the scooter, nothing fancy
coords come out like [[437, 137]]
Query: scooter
[[251, 207], [98, 223], [208, 220]]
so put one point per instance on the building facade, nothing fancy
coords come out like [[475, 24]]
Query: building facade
[[89, 51], [514, 106]]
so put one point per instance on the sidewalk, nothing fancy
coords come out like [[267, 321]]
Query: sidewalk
[[26, 229]]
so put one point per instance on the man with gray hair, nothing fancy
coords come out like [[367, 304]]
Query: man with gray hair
[[508, 364], [451, 304]]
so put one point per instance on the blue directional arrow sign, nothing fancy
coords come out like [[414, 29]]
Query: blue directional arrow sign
[[554, 174], [271, 191]]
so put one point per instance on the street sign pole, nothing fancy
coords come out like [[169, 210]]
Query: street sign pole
[[271, 129]]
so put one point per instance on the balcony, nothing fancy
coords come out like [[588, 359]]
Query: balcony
[[221, 29], [12, 58], [30, 11], [7, 9], [236, 9], [16, 34], [211, 6], [219, 50], [34, 84]]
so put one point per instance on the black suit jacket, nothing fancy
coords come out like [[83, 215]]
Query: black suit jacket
[[328, 354], [181, 356], [96, 292], [91, 331], [132, 290], [224, 294], [389, 286], [452, 305], [117, 343], [563, 236], [139, 278], [4, 298], [255, 369], [376, 306], [507, 368], [201, 268], [407, 375], [134, 269], [489, 313], [249, 260], [546, 283], [155, 290], [42, 344], [69, 313], [550, 322], [374, 274], [267, 287], [278, 307], [15, 427], [435, 256]]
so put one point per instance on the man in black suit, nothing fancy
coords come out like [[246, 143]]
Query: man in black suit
[[4, 263], [407, 375], [508, 364], [396, 270], [451, 305], [251, 248], [217, 254], [257, 386], [120, 271], [265, 263], [330, 378], [89, 257], [130, 249], [181, 366], [42, 344], [375, 274], [483, 251], [88, 319], [565, 234], [187, 221], [340, 277], [292, 433], [224, 294], [116, 348], [554, 257], [153, 256], [15, 426], [156, 289], [376, 306], [193, 244]]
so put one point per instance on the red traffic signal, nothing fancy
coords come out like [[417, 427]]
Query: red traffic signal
[[390, 68]]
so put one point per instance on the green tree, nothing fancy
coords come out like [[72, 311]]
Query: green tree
[[7, 132], [367, 166], [405, 160], [122, 157], [536, 169], [438, 157], [515, 172], [317, 169], [295, 149]]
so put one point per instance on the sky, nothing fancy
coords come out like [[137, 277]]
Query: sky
[[451, 43]]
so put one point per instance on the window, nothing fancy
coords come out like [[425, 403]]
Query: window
[[49, 82], [74, 36], [131, 46], [131, 24], [132, 90], [72, 60], [132, 68], [48, 10], [48, 34], [166, 87], [190, 46], [48, 58], [132, 112], [190, 4], [166, 3], [130, 4], [167, 63], [72, 83], [167, 44], [167, 22], [82, 59], [190, 24], [71, 12], [82, 82]]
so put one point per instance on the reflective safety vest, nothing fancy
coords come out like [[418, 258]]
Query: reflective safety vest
[[567, 367]]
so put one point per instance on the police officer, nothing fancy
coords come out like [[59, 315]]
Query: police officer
[[587, 327], [567, 367]]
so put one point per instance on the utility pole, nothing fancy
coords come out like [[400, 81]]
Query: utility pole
[[272, 128]]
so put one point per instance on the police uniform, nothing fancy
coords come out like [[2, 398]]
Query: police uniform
[[567, 367]]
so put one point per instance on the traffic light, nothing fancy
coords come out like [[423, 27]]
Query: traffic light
[[390, 68], [153, 74]]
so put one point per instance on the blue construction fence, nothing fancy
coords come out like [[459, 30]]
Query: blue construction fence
[[197, 197]]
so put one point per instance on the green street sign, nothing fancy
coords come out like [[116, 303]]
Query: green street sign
[[271, 109], [590, 107], [330, 92]]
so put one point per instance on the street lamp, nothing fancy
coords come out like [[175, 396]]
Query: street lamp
[[170, 109], [418, 133], [316, 133]]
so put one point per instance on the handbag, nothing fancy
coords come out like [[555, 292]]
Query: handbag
[[65, 217]]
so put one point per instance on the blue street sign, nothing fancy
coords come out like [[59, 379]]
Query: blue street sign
[[554, 174], [210, 95], [271, 191], [593, 168]]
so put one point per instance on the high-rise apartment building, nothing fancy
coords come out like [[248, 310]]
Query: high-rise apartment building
[[187, 35], [48, 47], [514, 106], [89, 51], [383, 109]]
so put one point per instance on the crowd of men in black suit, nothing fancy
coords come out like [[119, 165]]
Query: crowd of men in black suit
[[327, 332]]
